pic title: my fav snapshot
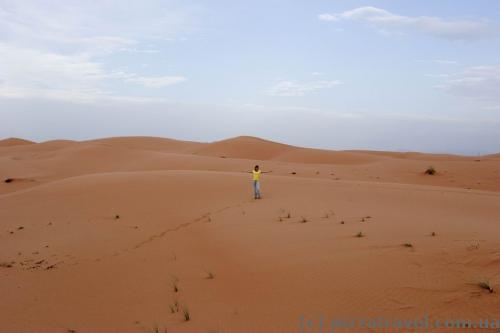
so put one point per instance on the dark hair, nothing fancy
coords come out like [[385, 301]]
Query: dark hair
[[256, 167]]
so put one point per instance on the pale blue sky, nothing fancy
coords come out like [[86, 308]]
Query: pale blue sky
[[385, 75]]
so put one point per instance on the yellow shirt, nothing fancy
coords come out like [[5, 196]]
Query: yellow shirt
[[256, 175]]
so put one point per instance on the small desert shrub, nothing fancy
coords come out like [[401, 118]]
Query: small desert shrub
[[342, 222], [408, 245], [288, 216], [210, 275], [303, 220], [360, 234], [433, 234], [474, 246], [9, 180], [117, 217], [156, 329], [5, 264], [174, 307], [294, 173], [186, 314], [486, 285], [175, 283], [430, 171]]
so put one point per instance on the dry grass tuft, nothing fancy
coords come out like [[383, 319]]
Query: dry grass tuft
[[430, 171]]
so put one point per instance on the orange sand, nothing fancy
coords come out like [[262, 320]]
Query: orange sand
[[186, 209]]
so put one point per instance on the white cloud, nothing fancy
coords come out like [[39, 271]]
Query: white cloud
[[157, 82], [61, 49], [91, 27], [296, 88], [329, 17], [446, 62], [29, 73], [135, 50], [479, 82], [384, 20]]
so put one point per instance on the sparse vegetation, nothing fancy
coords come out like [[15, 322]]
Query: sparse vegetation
[[485, 284], [303, 220], [175, 284], [5, 264], [294, 173], [342, 222], [288, 216], [185, 312], [210, 275], [9, 180], [117, 217], [156, 329], [360, 234], [433, 234], [473, 246], [174, 307], [408, 245], [430, 171]]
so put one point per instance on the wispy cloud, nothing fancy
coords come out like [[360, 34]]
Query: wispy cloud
[[479, 82], [61, 50], [297, 88], [446, 62], [28, 73], [436, 26], [158, 81]]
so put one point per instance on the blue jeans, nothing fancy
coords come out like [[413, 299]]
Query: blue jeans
[[256, 189]]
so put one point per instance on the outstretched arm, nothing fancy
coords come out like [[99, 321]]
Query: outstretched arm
[[267, 171]]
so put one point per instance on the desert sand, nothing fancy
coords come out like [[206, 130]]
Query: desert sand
[[131, 234]]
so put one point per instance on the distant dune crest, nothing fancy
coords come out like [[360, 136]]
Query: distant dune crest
[[14, 142]]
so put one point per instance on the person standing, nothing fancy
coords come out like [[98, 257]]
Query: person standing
[[256, 172]]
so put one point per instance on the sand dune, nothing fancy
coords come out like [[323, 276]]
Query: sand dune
[[247, 147], [150, 143], [14, 142], [244, 147], [96, 235]]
